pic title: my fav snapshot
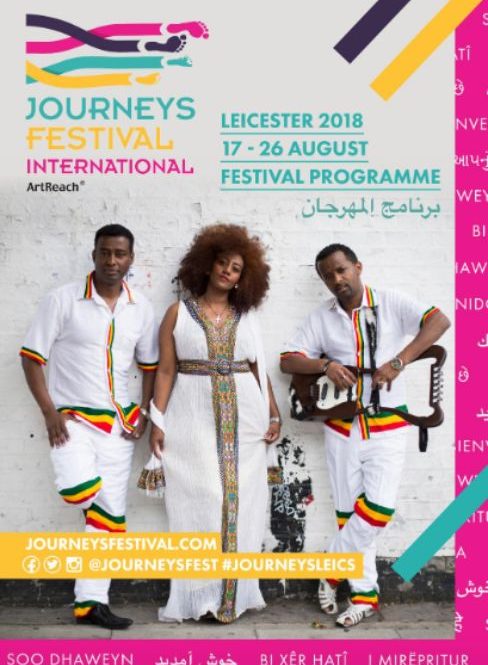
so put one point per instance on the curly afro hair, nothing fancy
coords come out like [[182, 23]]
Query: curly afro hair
[[219, 239]]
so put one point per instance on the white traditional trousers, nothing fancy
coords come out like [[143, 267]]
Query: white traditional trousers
[[365, 475], [92, 472]]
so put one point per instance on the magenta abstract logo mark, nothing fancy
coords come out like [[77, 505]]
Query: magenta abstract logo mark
[[147, 48]]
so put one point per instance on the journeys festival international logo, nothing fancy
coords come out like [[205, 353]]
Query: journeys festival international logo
[[68, 129]]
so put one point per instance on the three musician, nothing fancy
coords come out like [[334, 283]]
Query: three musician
[[362, 327]]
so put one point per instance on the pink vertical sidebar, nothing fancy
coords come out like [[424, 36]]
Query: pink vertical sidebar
[[472, 315]]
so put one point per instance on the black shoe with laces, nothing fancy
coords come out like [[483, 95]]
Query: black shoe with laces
[[101, 615]]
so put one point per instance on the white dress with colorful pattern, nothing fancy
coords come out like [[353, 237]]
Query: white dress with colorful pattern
[[216, 482]]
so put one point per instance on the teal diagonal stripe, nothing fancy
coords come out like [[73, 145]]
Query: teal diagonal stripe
[[443, 527]]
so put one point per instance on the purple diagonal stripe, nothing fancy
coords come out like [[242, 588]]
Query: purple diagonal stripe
[[368, 27]]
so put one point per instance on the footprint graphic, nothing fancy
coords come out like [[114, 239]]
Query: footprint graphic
[[173, 45], [196, 29], [184, 61]]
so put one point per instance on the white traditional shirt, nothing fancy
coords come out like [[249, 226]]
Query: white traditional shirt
[[90, 350], [329, 330]]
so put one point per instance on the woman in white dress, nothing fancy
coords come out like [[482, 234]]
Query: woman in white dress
[[216, 413]]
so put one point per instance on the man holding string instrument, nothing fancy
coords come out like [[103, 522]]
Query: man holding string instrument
[[362, 327]]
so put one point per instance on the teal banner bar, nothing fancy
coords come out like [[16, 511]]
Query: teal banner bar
[[443, 527]]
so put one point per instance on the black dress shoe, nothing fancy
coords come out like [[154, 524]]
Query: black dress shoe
[[101, 615]]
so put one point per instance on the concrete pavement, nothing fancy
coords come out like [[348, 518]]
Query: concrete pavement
[[283, 618]]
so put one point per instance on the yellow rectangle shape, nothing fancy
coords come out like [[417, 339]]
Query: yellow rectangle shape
[[158, 556], [31, 555], [422, 46], [289, 565], [218, 566]]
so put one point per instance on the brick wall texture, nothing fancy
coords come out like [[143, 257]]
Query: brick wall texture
[[46, 240]]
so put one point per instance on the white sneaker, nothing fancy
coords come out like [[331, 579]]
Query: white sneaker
[[327, 597], [354, 615]]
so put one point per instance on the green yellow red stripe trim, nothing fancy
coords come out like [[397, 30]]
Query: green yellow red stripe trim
[[88, 293], [109, 356], [370, 301], [127, 417], [359, 337], [97, 418], [82, 492], [104, 420], [100, 519], [342, 518], [148, 367], [130, 297], [83, 609], [32, 355], [370, 424], [286, 354], [89, 288], [365, 598], [369, 295], [110, 373], [363, 426], [427, 314], [384, 421], [341, 426], [372, 513], [131, 414]]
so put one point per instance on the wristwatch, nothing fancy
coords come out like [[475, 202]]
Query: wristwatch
[[144, 412], [326, 365], [397, 363]]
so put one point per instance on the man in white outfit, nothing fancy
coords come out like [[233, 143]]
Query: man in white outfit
[[364, 454], [89, 333]]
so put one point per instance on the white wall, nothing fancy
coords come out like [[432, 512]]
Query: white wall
[[46, 240]]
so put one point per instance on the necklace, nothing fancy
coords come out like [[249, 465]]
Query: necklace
[[217, 315]]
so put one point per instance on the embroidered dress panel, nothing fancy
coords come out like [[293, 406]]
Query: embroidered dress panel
[[221, 343]]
